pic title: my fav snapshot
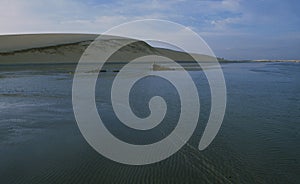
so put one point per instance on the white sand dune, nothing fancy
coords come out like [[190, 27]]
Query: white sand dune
[[68, 48]]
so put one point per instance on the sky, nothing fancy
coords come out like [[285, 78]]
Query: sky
[[234, 29]]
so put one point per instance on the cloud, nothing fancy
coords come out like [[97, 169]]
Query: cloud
[[223, 23], [232, 5], [76, 16]]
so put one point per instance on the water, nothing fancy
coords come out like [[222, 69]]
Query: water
[[258, 141]]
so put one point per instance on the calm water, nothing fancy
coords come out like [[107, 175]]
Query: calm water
[[258, 141]]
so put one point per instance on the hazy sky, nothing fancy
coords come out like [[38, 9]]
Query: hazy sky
[[234, 29]]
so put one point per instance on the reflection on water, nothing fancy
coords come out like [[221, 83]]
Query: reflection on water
[[258, 141]]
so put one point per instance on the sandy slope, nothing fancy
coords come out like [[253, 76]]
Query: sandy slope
[[68, 48], [10, 43]]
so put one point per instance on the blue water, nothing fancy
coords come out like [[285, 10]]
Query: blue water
[[258, 141]]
